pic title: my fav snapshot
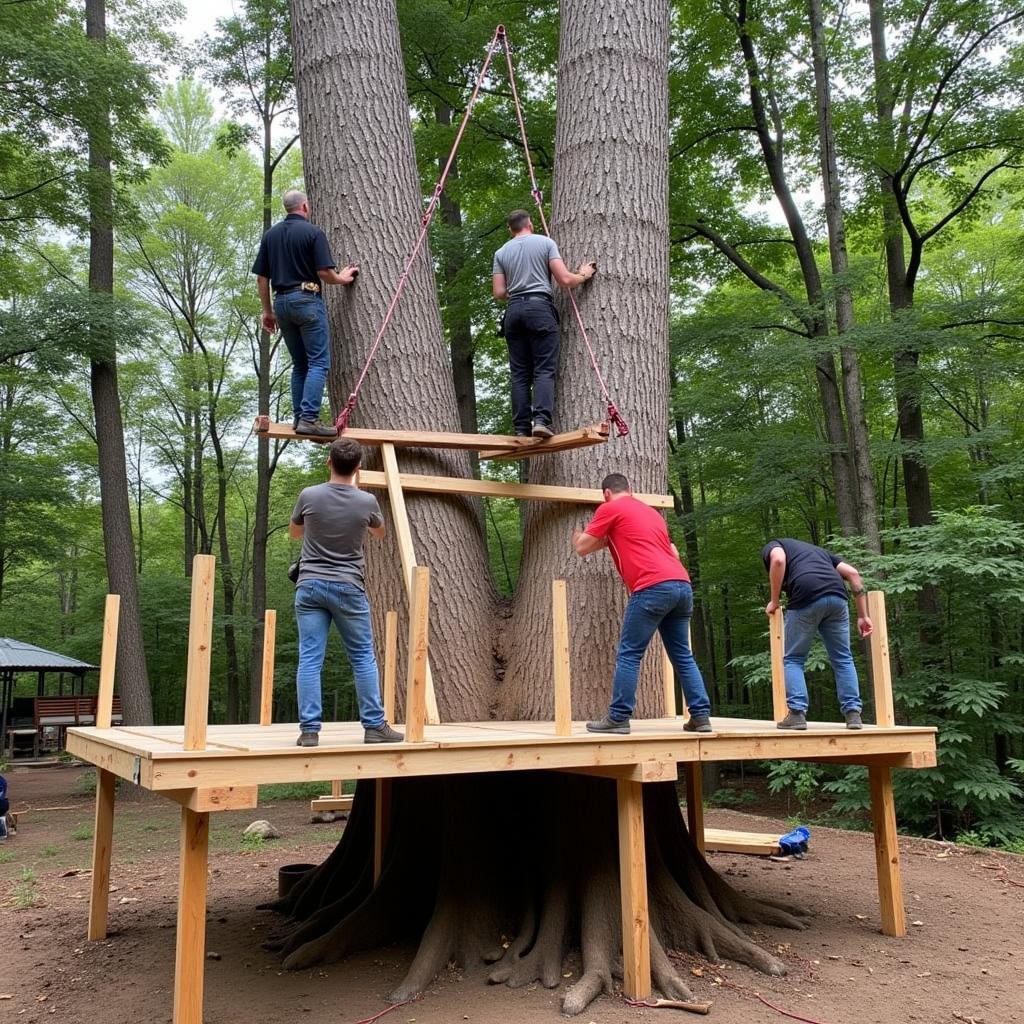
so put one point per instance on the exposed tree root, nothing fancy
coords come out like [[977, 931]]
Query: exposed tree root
[[516, 870]]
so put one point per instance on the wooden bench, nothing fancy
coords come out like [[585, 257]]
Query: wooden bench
[[64, 711]]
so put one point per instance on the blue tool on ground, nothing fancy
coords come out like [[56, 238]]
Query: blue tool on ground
[[795, 842]]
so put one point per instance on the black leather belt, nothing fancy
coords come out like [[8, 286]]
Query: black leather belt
[[306, 286], [530, 295]]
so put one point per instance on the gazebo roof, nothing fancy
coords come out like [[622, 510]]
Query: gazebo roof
[[18, 656]]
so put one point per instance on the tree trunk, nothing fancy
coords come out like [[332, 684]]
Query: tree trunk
[[119, 549], [836, 222]]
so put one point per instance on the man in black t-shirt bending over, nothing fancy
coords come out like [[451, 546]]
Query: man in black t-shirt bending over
[[814, 581]]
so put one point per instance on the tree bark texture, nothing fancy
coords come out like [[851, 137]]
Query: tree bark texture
[[119, 547], [610, 204], [360, 169]]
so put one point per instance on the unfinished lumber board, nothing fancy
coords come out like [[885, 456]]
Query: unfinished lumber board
[[725, 840], [375, 480], [218, 798], [407, 552], [777, 639], [102, 843], [331, 803], [416, 678], [190, 946], [636, 935], [644, 771], [390, 664], [887, 852], [108, 661], [200, 640], [489, 445], [668, 681], [560, 645], [881, 672], [267, 680], [694, 774]]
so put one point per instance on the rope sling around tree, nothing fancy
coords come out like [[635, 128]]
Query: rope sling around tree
[[498, 41]]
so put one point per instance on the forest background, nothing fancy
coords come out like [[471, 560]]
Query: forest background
[[847, 313]]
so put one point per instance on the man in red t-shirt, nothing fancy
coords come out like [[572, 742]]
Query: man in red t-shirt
[[661, 599]]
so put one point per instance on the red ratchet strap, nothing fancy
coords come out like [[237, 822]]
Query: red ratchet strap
[[498, 41]]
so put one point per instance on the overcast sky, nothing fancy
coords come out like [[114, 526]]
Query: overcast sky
[[200, 16]]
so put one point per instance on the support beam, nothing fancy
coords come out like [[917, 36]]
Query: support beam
[[777, 634], [560, 635], [267, 681], [416, 678], [190, 947], [887, 852], [694, 772], [636, 935], [501, 489], [642, 771], [881, 671], [102, 843], [390, 664], [216, 798], [200, 640], [403, 531]]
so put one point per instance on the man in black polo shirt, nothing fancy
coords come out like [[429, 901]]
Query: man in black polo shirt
[[294, 259], [814, 581]]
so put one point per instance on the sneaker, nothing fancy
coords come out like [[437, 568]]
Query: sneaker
[[607, 724], [542, 430], [794, 720], [314, 428], [697, 723], [383, 734], [308, 739], [853, 720], [295, 422]]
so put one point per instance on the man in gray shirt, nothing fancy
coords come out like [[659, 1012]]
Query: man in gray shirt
[[332, 519], [522, 272]]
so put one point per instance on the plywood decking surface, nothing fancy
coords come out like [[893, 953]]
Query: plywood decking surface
[[245, 755]]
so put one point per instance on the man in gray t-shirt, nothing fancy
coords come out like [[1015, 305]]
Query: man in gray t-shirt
[[332, 519], [522, 273]]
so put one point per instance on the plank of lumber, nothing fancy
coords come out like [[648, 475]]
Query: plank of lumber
[[560, 639], [636, 935], [267, 679], [887, 852], [881, 672], [331, 803], [416, 679], [190, 947], [375, 480], [489, 445], [403, 531], [390, 665], [200, 640], [102, 842], [695, 803], [725, 840], [777, 639], [108, 659], [645, 771], [218, 798]]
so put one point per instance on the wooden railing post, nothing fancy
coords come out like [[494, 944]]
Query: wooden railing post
[[390, 664], [267, 682], [562, 679], [200, 639], [776, 633], [108, 662], [881, 671], [668, 682], [416, 679]]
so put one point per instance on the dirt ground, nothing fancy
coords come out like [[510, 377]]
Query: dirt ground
[[963, 960]]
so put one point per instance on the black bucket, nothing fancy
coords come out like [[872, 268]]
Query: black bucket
[[289, 874]]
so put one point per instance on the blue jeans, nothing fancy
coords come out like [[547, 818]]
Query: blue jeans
[[665, 607], [302, 318], [317, 604], [829, 616]]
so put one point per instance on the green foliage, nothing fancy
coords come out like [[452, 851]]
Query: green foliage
[[252, 841], [731, 798], [278, 791], [6, 856], [81, 833], [801, 780]]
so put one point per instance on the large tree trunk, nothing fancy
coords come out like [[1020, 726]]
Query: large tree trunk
[[547, 877], [119, 548]]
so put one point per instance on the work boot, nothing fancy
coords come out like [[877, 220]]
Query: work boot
[[853, 720], [542, 429], [383, 734], [697, 723], [608, 724], [314, 428], [794, 720], [295, 422], [308, 739]]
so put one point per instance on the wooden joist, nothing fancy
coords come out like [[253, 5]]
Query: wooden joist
[[332, 803], [490, 446], [376, 480]]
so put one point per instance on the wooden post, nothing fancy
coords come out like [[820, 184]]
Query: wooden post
[[336, 788], [390, 664], [267, 683], [887, 851], [190, 947], [560, 634], [403, 531], [200, 638], [636, 938], [103, 823], [416, 679], [694, 772], [881, 672], [381, 825], [668, 680], [777, 633]]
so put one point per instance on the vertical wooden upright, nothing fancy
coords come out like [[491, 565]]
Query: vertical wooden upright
[[887, 851], [267, 679], [777, 638], [200, 640], [636, 934], [382, 804], [668, 682], [403, 532], [881, 671], [103, 826], [416, 679], [560, 636], [190, 946], [390, 664], [694, 774]]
